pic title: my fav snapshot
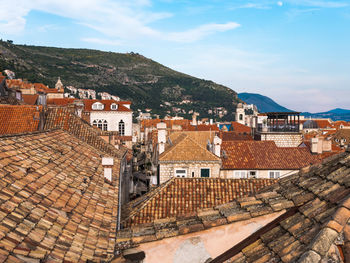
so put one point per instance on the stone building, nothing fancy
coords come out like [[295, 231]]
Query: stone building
[[185, 155], [302, 218], [263, 159]]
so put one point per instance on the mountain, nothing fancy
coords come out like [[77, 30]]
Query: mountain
[[335, 114], [130, 76], [263, 103]]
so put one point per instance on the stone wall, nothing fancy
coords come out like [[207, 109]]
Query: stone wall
[[283, 139], [193, 169]]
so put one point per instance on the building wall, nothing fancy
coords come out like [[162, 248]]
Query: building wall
[[113, 118], [200, 246], [283, 139], [55, 95], [167, 170], [230, 174]]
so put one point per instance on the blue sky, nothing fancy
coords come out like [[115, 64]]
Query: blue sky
[[296, 51]]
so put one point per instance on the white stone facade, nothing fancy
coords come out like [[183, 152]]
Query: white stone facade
[[193, 169], [283, 139], [113, 118]]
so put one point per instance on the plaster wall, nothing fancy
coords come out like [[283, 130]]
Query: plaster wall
[[193, 169], [200, 246]]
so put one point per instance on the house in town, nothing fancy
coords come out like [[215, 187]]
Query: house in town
[[263, 159], [185, 155], [113, 117], [300, 218], [62, 187]]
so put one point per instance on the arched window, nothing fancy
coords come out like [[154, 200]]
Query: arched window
[[105, 125], [240, 117], [99, 124], [121, 127], [94, 123]]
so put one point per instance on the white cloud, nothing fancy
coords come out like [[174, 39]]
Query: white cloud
[[280, 3], [116, 19], [200, 32]]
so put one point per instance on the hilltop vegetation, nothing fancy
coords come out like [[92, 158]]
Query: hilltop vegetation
[[130, 76]]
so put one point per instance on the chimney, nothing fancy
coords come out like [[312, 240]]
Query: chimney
[[316, 146], [217, 145], [161, 127], [78, 107], [107, 163], [194, 118], [211, 121]]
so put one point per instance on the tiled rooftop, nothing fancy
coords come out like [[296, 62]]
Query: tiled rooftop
[[314, 226], [30, 99], [62, 118], [240, 128], [264, 155], [186, 196], [185, 148], [317, 229], [55, 203], [19, 118], [88, 103], [234, 136]]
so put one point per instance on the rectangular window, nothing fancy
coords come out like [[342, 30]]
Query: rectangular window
[[274, 174], [252, 174], [205, 172], [181, 173], [240, 174]]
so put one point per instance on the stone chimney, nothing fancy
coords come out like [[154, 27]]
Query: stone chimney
[[107, 163], [217, 145], [78, 107], [161, 127], [327, 145], [194, 118], [314, 145]]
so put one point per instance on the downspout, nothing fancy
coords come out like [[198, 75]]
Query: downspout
[[120, 192]]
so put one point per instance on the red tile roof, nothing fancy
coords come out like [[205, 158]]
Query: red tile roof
[[55, 203], [107, 105], [240, 128], [88, 104], [234, 136], [184, 196], [264, 155], [30, 99], [201, 127], [19, 118]]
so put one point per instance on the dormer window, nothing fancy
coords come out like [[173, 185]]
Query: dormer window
[[97, 106], [114, 106]]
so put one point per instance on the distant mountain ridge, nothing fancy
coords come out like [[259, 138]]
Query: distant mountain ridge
[[337, 114], [130, 76], [266, 104], [263, 103]]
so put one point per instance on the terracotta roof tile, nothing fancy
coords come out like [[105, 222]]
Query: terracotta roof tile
[[187, 150], [309, 231], [186, 196], [19, 118], [264, 155], [30, 99], [56, 205], [62, 118], [88, 103], [240, 128]]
